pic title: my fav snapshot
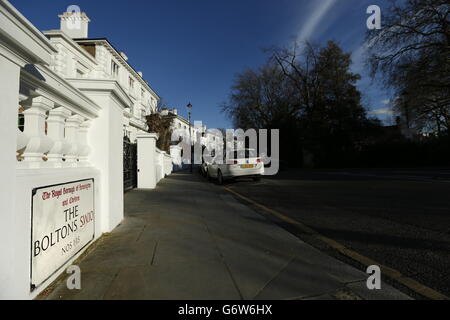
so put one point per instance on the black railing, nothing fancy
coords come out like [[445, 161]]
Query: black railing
[[129, 165]]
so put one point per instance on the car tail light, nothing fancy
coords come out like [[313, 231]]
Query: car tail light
[[232, 162], [259, 160]]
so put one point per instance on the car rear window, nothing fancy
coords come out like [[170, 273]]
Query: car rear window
[[243, 154]]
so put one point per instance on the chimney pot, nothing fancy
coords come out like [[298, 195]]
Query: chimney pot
[[124, 56]]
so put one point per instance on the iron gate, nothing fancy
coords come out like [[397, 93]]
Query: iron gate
[[129, 164]]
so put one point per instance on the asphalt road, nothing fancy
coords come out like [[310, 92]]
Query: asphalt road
[[399, 218]]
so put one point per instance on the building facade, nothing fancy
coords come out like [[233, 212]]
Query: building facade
[[82, 61], [67, 103]]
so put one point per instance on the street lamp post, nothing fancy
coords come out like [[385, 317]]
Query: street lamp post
[[189, 107]]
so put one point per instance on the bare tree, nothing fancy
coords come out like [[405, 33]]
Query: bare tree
[[260, 98], [162, 125], [310, 95], [329, 104], [412, 54]]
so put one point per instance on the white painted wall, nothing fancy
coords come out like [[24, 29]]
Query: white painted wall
[[27, 180], [168, 164], [100, 101], [106, 140], [9, 102], [159, 165], [175, 153]]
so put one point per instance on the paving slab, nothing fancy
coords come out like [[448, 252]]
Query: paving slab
[[191, 240], [387, 292]]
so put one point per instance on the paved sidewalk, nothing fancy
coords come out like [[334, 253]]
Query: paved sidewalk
[[190, 239]]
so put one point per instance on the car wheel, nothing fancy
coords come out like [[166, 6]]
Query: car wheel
[[220, 178]]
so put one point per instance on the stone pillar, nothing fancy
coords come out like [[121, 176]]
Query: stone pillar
[[9, 93], [147, 160], [55, 130], [72, 127], [106, 141], [168, 164], [160, 165], [175, 153], [22, 138], [83, 146], [39, 144]]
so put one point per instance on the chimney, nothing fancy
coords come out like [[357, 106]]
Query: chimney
[[75, 24], [175, 111]]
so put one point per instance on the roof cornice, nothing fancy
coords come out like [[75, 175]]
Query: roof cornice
[[118, 56], [75, 45], [21, 34], [43, 79], [96, 85]]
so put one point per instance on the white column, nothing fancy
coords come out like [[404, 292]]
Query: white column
[[9, 93], [39, 144], [72, 126], [160, 165], [168, 166], [55, 130], [175, 153], [147, 160], [22, 138], [83, 146], [106, 141], [163, 165]]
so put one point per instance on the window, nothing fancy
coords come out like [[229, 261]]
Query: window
[[242, 154], [80, 74], [131, 83], [142, 94], [114, 69]]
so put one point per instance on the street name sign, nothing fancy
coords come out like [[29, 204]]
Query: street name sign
[[63, 223]]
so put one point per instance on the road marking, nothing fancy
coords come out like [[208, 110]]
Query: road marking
[[387, 271]]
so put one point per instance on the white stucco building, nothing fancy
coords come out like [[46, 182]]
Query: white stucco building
[[66, 104], [201, 136], [181, 124], [86, 62]]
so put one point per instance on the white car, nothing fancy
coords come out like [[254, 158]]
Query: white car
[[243, 163], [204, 169]]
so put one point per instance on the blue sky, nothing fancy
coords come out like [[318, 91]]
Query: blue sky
[[189, 51]]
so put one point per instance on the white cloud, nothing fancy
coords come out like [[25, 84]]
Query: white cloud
[[358, 56], [315, 18], [386, 102], [381, 112]]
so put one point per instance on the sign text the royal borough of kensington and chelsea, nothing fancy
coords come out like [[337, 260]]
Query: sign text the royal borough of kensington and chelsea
[[62, 224]]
